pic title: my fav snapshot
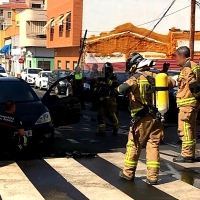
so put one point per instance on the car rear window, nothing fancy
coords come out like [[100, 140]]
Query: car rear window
[[17, 91], [63, 74], [46, 74], [34, 71], [2, 70]]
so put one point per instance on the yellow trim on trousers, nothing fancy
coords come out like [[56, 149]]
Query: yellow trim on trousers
[[186, 101], [153, 164]]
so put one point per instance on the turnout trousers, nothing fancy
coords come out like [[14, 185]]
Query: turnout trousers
[[150, 131], [107, 109], [187, 130]]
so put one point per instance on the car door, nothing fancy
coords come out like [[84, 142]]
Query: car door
[[65, 110]]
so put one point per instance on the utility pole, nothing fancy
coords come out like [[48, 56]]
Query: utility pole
[[192, 28]]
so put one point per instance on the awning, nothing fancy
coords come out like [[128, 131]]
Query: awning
[[59, 17], [6, 49], [49, 22], [63, 18]]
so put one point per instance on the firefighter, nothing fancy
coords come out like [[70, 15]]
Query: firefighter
[[146, 123], [11, 144], [77, 84], [188, 97], [107, 106]]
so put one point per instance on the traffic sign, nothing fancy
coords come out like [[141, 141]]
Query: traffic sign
[[21, 60]]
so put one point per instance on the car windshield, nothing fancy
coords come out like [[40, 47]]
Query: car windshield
[[174, 73], [122, 77], [63, 74], [2, 70], [46, 74], [18, 91], [34, 71]]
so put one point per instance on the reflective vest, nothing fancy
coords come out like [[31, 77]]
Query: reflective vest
[[78, 76]]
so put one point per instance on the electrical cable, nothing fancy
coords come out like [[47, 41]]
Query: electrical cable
[[154, 26]]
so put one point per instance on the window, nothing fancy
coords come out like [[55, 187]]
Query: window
[[61, 28], [18, 91], [52, 30], [9, 14], [67, 64], [75, 64], [36, 5], [59, 64], [68, 23]]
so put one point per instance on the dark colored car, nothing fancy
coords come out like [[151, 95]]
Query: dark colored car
[[39, 117], [122, 100], [62, 86]]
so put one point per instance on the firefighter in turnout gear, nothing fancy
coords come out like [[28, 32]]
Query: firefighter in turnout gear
[[146, 123], [188, 101], [107, 106]]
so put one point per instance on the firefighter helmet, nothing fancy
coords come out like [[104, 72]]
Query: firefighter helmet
[[136, 61], [108, 66]]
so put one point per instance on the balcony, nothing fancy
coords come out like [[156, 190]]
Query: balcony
[[35, 29]]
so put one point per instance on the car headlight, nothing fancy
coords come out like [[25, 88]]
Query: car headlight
[[30, 76], [44, 81], [62, 83], [45, 118]]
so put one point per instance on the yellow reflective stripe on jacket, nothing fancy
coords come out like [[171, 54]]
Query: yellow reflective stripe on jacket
[[195, 69], [142, 92], [78, 76], [128, 159], [110, 82], [181, 75], [186, 101], [153, 164], [134, 111]]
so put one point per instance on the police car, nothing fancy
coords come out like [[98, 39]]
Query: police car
[[3, 72]]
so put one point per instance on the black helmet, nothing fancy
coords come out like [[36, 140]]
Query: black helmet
[[109, 66], [136, 61]]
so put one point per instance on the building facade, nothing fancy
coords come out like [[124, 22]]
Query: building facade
[[64, 31], [33, 40]]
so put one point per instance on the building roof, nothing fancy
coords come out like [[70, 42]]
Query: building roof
[[14, 5]]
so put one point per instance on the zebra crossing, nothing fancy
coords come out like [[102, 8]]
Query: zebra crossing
[[95, 179]]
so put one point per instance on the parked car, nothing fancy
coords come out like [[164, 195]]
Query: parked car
[[3, 72], [42, 80], [30, 74], [39, 117], [122, 100], [62, 86]]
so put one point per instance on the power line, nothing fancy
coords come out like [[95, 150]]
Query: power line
[[154, 26]]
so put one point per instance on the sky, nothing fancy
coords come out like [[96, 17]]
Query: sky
[[105, 15], [1, 1]]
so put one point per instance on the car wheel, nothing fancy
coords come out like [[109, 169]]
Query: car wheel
[[40, 86], [56, 90]]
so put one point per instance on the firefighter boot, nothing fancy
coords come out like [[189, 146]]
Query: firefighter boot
[[181, 159], [122, 175]]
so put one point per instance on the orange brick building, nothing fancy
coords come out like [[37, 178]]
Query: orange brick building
[[64, 30]]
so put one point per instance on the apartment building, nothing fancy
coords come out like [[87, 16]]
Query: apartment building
[[64, 31]]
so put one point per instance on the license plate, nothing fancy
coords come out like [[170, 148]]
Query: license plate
[[28, 133]]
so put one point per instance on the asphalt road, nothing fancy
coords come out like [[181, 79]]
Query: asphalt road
[[58, 175]]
